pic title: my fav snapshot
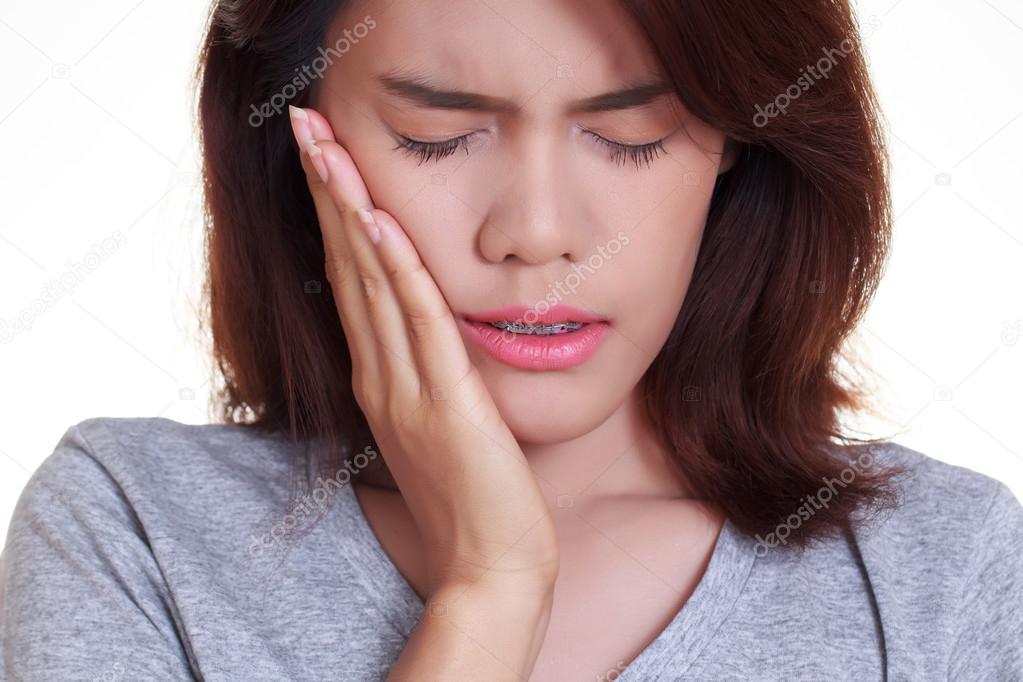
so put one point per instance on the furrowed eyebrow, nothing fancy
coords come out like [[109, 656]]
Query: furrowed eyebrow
[[419, 91], [630, 97]]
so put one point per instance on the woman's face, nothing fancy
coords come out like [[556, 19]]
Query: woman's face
[[532, 208]]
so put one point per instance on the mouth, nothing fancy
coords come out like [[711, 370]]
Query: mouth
[[554, 329], [559, 338], [529, 321]]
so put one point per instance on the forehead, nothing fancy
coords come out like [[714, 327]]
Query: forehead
[[516, 49]]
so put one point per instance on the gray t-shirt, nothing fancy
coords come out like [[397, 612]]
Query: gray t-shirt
[[145, 549]]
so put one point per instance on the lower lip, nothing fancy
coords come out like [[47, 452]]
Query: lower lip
[[536, 352]]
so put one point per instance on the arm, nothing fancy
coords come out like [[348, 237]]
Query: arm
[[478, 632], [474, 498], [81, 595]]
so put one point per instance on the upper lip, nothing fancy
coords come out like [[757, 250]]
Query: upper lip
[[550, 315]]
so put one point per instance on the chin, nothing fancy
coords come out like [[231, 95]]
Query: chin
[[552, 409]]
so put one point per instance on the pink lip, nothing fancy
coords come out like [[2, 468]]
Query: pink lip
[[530, 315], [534, 352]]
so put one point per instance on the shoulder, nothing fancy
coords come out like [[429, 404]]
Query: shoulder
[[167, 451], [941, 506], [944, 565], [126, 523], [155, 468]]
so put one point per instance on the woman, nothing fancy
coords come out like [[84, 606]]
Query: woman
[[528, 316]]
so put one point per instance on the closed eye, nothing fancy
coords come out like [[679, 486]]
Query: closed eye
[[433, 150], [620, 152]]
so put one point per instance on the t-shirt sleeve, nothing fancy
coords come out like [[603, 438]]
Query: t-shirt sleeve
[[81, 595], [989, 640]]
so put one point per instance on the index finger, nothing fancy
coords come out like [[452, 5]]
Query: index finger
[[436, 340]]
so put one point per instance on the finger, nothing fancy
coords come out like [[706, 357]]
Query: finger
[[341, 269], [348, 190], [436, 340]]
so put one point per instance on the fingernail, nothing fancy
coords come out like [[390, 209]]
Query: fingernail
[[316, 156], [370, 225], [300, 124]]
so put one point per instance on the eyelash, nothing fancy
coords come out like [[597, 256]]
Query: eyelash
[[619, 152], [427, 150]]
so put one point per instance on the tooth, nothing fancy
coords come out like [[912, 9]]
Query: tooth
[[550, 329]]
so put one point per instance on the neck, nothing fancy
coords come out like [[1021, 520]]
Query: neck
[[622, 458]]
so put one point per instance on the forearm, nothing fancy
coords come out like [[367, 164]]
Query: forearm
[[478, 632]]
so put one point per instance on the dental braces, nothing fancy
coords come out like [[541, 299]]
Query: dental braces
[[521, 328]]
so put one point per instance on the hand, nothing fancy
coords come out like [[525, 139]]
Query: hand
[[461, 472]]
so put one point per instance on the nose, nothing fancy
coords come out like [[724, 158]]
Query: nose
[[538, 215]]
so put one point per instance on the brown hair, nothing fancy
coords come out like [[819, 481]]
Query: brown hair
[[746, 392]]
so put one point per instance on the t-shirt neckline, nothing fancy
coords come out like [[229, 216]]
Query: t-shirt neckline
[[679, 644]]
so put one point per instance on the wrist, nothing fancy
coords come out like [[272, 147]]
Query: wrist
[[537, 579], [525, 596], [484, 629]]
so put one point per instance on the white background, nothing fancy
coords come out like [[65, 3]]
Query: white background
[[97, 137]]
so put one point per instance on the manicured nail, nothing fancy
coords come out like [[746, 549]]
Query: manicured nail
[[316, 156], [300, 124], [370, 225]]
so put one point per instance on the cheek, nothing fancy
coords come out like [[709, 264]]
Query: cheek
[[416, 197], [655, 269], [384, 172], [439, 224], [394, 182]]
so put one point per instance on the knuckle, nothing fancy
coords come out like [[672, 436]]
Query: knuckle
[[422, 323], [367, 399], [406, 276], [359, 390], [337, 267], [396, 409], [358, 379], [372, 286]]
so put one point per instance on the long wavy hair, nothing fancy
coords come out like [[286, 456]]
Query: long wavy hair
[[747, 392]]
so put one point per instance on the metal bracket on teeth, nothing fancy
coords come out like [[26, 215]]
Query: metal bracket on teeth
[[541, 329]]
